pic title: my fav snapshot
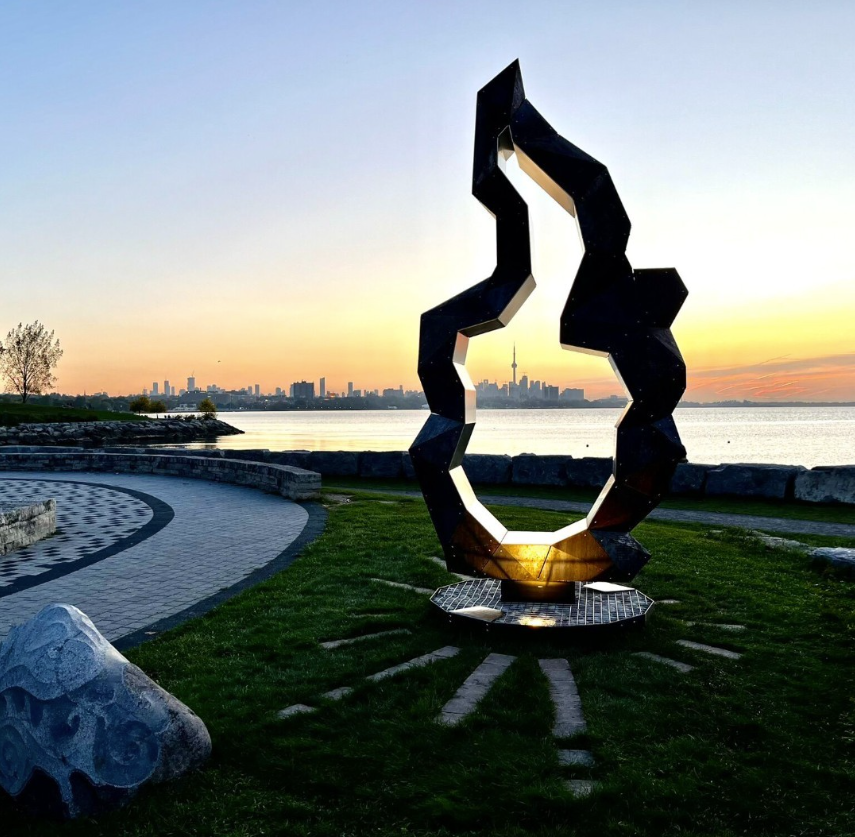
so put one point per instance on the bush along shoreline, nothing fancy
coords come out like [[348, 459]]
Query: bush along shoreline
[[95, 433]]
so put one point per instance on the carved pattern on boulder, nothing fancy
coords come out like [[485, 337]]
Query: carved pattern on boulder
[[81, 728]]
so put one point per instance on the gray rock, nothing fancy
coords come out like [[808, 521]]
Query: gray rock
[[488, 468], [529, 469], [407, 468], [689, 479], [249, 455], [381, 464], [826, 485], [81, 728], [770, 481], [838, 556], [589, 472], [294, 458], [339, 463]]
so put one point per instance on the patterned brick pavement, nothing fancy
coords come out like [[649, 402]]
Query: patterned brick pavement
[[139, 553]]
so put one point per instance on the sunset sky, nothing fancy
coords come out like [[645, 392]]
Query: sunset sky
[[260, 192]]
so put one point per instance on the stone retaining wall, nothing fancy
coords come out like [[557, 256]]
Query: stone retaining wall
[[27, 524], [292, 483], [772, 482]]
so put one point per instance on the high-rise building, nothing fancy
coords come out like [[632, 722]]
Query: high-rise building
[[154, 389], [524, 385], [172, 390], [323, 387], [303, 389], [279, 391], [191, 384], [573, 395], [257, 390], [166, 388], [350, 389]]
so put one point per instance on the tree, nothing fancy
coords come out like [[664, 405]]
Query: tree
[[207, 408], [157, 407], [141, 404], [28, 358]]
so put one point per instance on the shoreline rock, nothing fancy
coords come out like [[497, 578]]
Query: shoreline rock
[[99, 433]]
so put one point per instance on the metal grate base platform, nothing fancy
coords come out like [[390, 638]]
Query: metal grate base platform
[[480, 600]]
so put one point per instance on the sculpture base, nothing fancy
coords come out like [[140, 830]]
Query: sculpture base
[[482, 600], [521, 591]]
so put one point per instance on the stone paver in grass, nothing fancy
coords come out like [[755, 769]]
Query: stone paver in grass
[[721, 626], [138, 549], [709, 649], [569, 719], [581, 788], [685, 668], [667, 601], [338, 694], [443, 653], [474, 688], [337, 643], [575, 758], [401, 586], [296, 709]]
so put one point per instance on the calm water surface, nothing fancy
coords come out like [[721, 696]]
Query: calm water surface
[[799, 435]]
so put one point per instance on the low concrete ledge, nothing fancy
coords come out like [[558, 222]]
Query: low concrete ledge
[[25, 525], [292, 483]]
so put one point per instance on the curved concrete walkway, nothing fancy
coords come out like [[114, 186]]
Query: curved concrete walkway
[[139, 554], [744, 521]]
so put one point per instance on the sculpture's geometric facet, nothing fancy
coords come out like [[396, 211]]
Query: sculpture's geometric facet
[[612, 310]]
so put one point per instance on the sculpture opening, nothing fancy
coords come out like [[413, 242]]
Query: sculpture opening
[[611, 311]]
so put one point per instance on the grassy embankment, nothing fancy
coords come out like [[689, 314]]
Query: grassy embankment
[[13, 414], [760, 746], [725, 505]]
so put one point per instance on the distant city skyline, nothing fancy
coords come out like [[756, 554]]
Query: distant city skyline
[[264, 192]]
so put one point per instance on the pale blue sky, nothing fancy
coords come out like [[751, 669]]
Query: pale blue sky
[[294, 178]]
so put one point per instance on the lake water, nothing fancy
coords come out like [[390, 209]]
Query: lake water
[[782, 435]]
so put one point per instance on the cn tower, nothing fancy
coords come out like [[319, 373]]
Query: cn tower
[[514, 364]]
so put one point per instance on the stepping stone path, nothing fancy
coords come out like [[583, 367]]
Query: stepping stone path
[[296, 709], [721, 627], [668, 601], [575, 758], [442, 654], [581, 788], [474, 688], [337, 643], [709, 649], [423, 590], [565, 697], [685, 668], [338, 694]]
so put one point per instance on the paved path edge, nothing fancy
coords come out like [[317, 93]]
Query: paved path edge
[[313, 529]]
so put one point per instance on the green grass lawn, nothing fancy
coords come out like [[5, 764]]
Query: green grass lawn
[[13, 414], [825, 513], [760, 746]]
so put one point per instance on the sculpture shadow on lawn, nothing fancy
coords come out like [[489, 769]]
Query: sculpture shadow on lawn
[[612, 311]]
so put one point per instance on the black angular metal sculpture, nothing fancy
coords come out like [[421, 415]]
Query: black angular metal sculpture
[[612, 311]]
